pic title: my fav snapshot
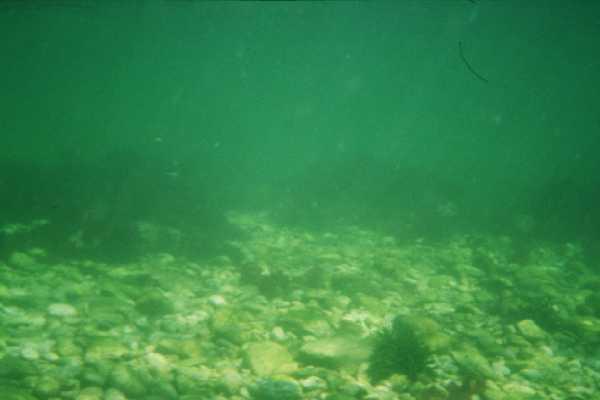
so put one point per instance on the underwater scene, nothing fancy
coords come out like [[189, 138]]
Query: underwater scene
[[345, 200]]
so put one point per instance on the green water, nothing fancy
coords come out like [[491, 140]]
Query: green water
[[234, 200]]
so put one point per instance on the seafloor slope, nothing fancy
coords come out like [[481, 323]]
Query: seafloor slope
[[296, 315]]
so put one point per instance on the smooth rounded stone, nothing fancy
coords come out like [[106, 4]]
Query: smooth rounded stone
[[124, 379], [440, 308], [21, 260], [16, 393], [339, 301], [400, 383], [334, 352], [530, 330], [106, 348], [62, 310], [106, 320], [162, 390], [158, 365], [91, 393], [33, 320], [581, 392], [493, 391], [51, 356], [405, 396], [432, 333], [317, 327], [217, 300], [232, 380], [226, 325], [355, 322], [183, 348], [352, 390], [66, 347], [589, 328], [70, 367], [313, 383], [472, 363], [194, 380], [35, 350], [382, 392], [516, 342], [533, 374], [37, 252], [91, 377], [165, 259], [191, 320], [29, 352], [193, 397], [202, 396], [438, 342], [487, 342], [500, 368], [275, 389], [519, 391], [154, 305], [278, 334], [114, 394], [13, 367], [47, 386], [269, 358]]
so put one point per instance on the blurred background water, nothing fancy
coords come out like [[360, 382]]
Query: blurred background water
[[170, 113]]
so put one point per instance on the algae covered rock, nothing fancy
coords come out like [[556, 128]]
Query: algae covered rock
[[114, 394], [154, 305], [195, 381], [62, 310], [472, 363], [13, 368], [334, 352], [275, 389], [124, 379], [91, 393], [22, 260], [105, 348], [530, 330], [432, 333], [47, 387], [269, 358], [14, 393]]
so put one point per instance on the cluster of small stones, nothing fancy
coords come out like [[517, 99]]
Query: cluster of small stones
[[287, 315]]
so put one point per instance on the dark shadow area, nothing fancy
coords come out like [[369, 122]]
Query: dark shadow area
[[410, 203], [126, 205], [115, 209]]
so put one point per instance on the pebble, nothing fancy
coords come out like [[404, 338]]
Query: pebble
[[29, 353], [313, 383], [217, 300], [62, 310], [530, 330], [278, 334]]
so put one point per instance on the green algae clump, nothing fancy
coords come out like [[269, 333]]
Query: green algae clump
[[397, 350]]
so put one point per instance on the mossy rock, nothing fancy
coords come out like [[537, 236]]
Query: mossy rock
[[269, 358], [334, 352], [15, 368], [275, 389], [154, 305], [14, 393]]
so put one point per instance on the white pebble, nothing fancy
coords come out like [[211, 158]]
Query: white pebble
[[29, 353], [313, 383], [278, 334], [217, 300], [62, 310]]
